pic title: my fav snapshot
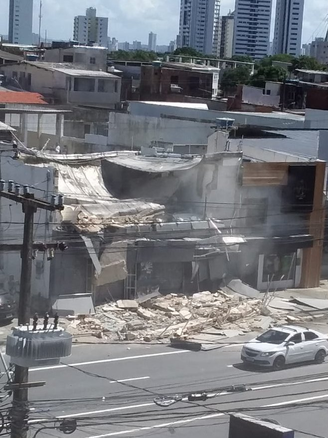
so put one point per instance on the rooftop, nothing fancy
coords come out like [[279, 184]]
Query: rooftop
[[21, 97], [202, 106], [68, 69], [10, 56], [191, 66], [274, 114], [313, 72]]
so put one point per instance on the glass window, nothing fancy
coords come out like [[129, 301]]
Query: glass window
[[309, 336], [273, 337], [296, 338]]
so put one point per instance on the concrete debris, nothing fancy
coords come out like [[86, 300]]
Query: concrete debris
[[127, 304], [172, 316]]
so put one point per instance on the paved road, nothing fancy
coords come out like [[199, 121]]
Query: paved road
[[110, 391]]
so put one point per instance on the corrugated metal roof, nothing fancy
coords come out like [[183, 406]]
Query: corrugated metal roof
[[4, 127], [69, 69], [155, 164]]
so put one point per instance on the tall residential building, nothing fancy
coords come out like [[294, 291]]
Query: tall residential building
[[319, 49], [226, 35], [152, 42], [252, 28], [288, 27], [89, 28], [199, 25], [20, 21]]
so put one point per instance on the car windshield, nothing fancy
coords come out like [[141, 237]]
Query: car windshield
[[273, 337]]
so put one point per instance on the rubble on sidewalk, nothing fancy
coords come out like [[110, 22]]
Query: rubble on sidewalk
[[172, 316]]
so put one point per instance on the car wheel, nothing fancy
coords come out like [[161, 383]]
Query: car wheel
[[320, 356], [278, 363]]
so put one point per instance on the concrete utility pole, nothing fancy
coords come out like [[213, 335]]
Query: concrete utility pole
[[19, 413]]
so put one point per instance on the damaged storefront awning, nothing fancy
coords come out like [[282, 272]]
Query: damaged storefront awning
[[155, 164]]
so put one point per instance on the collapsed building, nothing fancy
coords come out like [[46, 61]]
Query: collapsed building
[[136, 224]]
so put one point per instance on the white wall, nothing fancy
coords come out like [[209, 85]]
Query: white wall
[[137, 131], [255, 96], [271, 120]]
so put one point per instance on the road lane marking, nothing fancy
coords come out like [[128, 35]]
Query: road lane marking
[[104, 411], [291, 402], [321, 379], [115, 359], [159, 426], [133, 379]]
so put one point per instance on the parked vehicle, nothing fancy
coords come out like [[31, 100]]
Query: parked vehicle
[[285, 345], [8, 306]]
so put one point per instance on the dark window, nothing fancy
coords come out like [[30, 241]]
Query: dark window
[[116, 86], [175, 80], [68, 58], [296, 338], [309, 336], [101, 85], [87, 129], [92, 60], [194, 83]]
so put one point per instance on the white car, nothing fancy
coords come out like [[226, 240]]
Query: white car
[[285, 345]]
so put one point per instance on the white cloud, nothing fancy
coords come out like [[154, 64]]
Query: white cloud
[[134, 19]]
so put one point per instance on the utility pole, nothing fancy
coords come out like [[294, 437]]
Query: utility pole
[[19, 413]]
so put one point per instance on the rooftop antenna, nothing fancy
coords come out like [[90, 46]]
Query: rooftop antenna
[[40, 22]]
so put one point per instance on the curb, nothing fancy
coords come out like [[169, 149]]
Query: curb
[[185, 345]]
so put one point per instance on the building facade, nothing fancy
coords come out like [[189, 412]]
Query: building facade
[[89, 28], [152, 42], [252, 28], [226, 36], [20, 21], [200, 25], [288, 27], [319, 49]]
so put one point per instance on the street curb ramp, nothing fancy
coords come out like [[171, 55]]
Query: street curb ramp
[[185, 345]]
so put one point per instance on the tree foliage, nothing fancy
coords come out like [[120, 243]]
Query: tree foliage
[[188, 51], [133, 55], [306, 63], [233, 77], [270, 73]]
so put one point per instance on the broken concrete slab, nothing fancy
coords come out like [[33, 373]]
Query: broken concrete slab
[[127, 304], [314, 303], [184, 312], [145, 314], [237, 286]]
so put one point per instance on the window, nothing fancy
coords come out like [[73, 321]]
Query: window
[[309, 336], [68, 58], [175, 80], [84, 84], [92, 60], [101, 86], [296, 338], [116, 86]]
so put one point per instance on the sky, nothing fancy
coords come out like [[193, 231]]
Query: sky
[[133, 19]]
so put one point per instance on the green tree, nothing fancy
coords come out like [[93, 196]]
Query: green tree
[[233, 77], [133, 55], [270, 73], [306, 63], [188, 51], [267, 61], [242, 58]]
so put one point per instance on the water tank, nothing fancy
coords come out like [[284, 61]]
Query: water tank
[[27, 347]]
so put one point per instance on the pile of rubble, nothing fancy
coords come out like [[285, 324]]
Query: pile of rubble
[[170, 316]]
